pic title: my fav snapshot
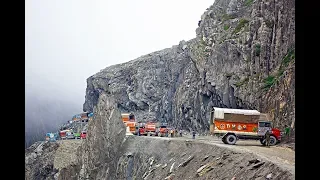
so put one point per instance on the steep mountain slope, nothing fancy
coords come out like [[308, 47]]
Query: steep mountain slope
[[242, 57]]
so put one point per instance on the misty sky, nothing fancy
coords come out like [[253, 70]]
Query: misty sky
[[69, 40]]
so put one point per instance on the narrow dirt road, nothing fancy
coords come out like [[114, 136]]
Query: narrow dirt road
[[283, 157]]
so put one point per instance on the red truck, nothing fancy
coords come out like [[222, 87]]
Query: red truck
[[140, 129], [63, 134], [235, 124], [83, 135], [163, 130], [151, 128]]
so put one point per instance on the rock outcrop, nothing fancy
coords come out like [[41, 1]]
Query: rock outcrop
[[242, 57], [39, 159], [99, 154]]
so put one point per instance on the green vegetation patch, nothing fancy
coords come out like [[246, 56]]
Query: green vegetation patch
[[226, 17], [269, 81], [290, 56], [285, 61], [248, 2], [257, 49], [241, 24], [226, 27]]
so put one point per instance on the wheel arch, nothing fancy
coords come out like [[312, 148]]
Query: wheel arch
[[232, 133]]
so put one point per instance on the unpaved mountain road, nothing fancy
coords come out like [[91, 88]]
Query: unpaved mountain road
[[281, 156]]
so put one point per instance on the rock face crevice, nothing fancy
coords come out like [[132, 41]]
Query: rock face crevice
[[242, 57]]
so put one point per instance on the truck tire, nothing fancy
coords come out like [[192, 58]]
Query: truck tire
[[231, 139], [273, 140]]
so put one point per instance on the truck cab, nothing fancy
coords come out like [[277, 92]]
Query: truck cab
[[163, 130], [265, 126]]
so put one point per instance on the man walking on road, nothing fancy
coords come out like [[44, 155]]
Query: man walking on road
[[180, 132], [267, 138]]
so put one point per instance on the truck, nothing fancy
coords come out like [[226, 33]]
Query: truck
[[128, 117], [235, 124], [132, 126], [76, 135], [129, 120], [62, 134], [163, 130], [141, 129], [151, 128], [70, 135], [83, 135]]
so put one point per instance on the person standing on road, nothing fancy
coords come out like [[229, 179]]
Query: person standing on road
[[193, 134], [287, 132], [180, 132], [267, 138]]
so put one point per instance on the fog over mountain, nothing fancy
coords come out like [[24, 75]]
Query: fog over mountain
[[45, 111]]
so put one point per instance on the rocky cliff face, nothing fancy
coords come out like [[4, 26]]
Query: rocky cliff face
[[101, 150], [39, 160], [242, 57]]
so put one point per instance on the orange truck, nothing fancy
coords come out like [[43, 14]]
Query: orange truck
[[235, 124], [163, 130], [129, 120], [151, 128]]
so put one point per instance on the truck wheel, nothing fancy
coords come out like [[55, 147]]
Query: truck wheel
[[231, 139], [273, 141]]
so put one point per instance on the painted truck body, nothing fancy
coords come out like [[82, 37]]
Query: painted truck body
[[234, 124], [129, 120], [141, 129], [163, 131], [132, 126], [151, 128]]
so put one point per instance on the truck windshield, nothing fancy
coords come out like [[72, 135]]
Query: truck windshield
[[264, 124]]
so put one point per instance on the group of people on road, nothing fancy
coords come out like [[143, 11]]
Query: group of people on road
[[175, 132], [178, 133]]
